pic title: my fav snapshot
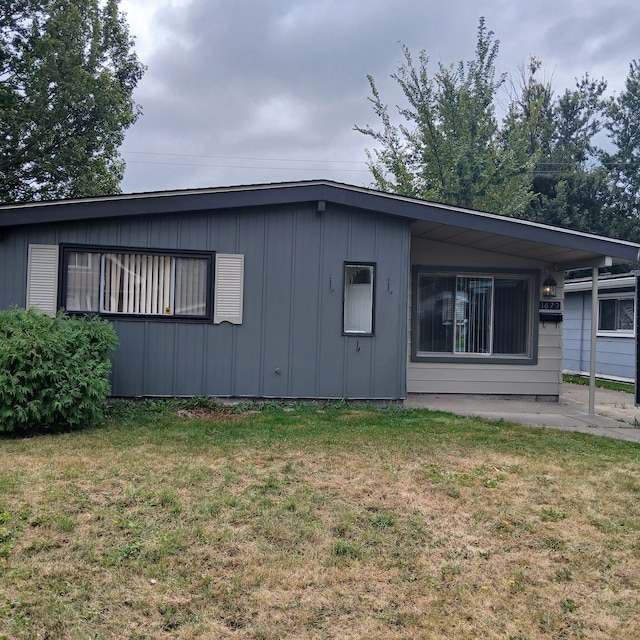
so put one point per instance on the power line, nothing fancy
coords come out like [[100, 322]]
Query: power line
[[545, 168], [239, 166], [194, 155]]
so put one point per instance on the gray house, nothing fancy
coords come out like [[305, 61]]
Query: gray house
[[303, 290], [615, 329]]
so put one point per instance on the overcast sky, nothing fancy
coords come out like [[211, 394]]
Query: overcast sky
[[252, 91]]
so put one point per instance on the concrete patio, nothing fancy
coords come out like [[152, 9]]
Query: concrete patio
[[616, 416]]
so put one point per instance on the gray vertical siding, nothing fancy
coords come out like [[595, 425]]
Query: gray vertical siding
[[290, 344], [615, 355], [277, 285], [331, 353]]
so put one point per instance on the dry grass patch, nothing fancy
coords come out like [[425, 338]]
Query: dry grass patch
[[318, 523]]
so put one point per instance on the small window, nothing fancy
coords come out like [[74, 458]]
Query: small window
[[358, 298], [136, 283], [616, 315]]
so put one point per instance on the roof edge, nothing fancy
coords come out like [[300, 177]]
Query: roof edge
[[229, 197]]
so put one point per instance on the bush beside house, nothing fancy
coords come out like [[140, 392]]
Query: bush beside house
[[53, 371]]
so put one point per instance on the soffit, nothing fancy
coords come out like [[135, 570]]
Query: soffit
[[564, 257]]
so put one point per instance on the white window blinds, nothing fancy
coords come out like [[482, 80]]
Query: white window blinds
[[138, 284], [473, 314]]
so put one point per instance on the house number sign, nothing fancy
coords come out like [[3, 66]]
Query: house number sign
[[550, 305]]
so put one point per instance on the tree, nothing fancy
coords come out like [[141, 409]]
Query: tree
[[530, 113], [449, 148], [67, 74], [569, 187], [541, 162], [623, 127]]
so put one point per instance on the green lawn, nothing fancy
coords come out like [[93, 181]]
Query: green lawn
[[317, 521], [625, 387]]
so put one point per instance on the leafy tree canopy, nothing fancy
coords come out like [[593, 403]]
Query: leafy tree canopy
[[447, 147], [540, 161], [67, 74]]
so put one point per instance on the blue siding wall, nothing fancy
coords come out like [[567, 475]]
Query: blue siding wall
[[293, 297], [575, 327], [615, 355]]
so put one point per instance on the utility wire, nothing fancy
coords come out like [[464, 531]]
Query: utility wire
[[243, 166], [550, 168], [194, 155]]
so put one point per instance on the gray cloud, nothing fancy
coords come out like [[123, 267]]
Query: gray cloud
[[269, 90]]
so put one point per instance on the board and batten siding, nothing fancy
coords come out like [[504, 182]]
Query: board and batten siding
[[287, 341], [541, 379]]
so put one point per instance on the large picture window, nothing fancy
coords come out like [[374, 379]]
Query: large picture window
[[616, 315], [136, 282], [472, 316]]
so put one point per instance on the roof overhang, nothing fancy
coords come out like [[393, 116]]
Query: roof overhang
[[564, 248], [609, 283], [560, 253]]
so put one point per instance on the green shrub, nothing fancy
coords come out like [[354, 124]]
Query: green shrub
[[53, 371]]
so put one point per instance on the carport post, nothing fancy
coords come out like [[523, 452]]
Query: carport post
[[637, 335], [592, 352]]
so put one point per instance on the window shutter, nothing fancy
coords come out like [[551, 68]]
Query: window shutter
[[228, 291], [42, 278]]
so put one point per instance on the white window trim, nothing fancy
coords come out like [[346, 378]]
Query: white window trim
[[85, 267], [618, 333]]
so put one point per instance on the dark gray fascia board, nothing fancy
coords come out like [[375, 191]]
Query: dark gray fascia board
[[176, 202], [166, 202]]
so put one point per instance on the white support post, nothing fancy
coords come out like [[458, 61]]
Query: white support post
[[592, 352]]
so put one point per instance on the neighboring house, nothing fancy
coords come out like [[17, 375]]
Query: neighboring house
[[303, 290], [616, 329]]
